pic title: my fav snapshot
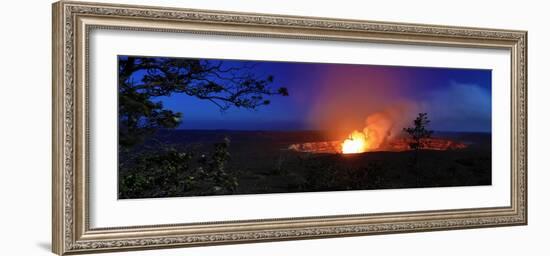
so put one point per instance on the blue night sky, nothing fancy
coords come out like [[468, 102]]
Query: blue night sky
[[341, 96]]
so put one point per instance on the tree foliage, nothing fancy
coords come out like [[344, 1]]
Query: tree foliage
[[166, 171], [141, 80], [172, 173], [419, 132]]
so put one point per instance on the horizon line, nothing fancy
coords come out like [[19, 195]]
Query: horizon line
[[303, 130]]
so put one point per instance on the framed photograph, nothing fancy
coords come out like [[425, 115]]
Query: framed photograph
[[178, 127]]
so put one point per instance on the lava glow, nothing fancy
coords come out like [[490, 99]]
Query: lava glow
[[356, 143], [374, 135]]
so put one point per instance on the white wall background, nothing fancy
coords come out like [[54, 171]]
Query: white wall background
[[25, 115]]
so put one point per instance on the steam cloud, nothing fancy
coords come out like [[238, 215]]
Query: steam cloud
[[460, 107], [382, 108]]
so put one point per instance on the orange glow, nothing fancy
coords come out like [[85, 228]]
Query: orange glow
[[374, 135], [356, 143]]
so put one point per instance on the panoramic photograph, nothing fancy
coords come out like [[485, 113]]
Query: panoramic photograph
[[205, 127]]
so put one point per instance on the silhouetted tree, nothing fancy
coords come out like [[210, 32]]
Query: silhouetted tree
[[141, 79], [167, 171], [418, 133]]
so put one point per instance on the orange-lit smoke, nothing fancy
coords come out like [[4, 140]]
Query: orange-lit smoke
[[371, 102], [348, 95], [378, 129]]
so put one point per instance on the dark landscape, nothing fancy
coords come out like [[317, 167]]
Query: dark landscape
[[263, 162], [203, 127]]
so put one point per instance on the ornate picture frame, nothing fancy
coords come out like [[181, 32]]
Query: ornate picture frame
[[72, 24]]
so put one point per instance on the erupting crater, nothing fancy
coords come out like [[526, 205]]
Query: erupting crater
[[380, 133], [359, 144]]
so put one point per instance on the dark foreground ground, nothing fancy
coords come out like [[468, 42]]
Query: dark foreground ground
[[262, 163]]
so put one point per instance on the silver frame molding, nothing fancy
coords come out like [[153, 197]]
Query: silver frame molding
[[72, 22]]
